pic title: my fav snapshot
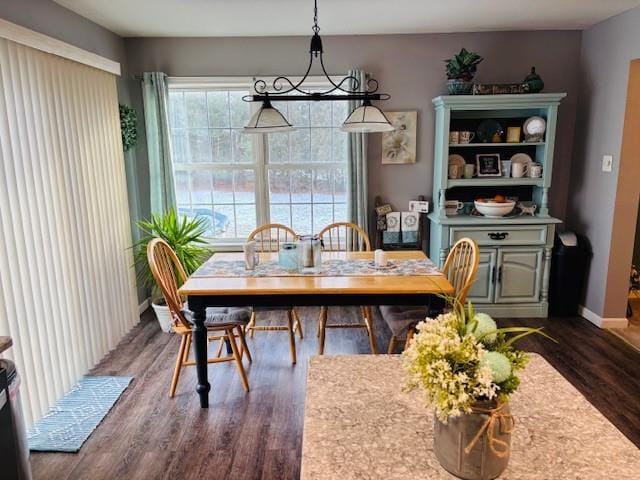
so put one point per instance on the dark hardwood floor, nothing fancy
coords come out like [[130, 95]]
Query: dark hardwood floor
[[259, 435]]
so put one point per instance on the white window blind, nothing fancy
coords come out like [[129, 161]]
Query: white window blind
[[67, 289]]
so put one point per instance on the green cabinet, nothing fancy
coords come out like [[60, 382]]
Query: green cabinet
[[515, 252]]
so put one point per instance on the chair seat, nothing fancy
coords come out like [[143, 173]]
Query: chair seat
[[220, 316], [400, 318]]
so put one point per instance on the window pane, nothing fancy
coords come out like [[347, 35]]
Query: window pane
[[181, 180], [218, 105], [299, 114], [300, 146], [240, 110], [322, 216], [196, 109], [223, 187], [278, 147], [245, 186], [340, 146], [279, 186], [199, 146], [221, 144], [177, 113], [246, 220], [280, 214], [340, 185], [321, 114], [224, 219], [340, 113], [201, 187], [300, 186], [301, 218], [340, 214], [321, 144], [323, 186], [242, 147], [179, 145]]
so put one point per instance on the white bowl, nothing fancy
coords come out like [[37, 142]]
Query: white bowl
[[492, 209]]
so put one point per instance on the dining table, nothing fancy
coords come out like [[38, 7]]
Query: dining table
[[343, 278]]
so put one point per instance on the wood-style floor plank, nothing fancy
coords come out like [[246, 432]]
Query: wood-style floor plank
[[259, 435]]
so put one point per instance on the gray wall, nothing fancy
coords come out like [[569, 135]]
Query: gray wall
[[607, 49], [409, 67]]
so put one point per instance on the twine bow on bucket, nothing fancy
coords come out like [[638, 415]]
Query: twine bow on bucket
[[505, 423]]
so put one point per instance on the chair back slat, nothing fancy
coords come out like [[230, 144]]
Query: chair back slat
[[169, 275], [461, 267], [268, 237], [344, 237]]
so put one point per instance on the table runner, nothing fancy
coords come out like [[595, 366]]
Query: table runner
[[329, 268]]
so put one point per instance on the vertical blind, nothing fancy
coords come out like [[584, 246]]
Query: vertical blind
[[67, 287]]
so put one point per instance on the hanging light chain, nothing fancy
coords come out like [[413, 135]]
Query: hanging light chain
[[315, 27]]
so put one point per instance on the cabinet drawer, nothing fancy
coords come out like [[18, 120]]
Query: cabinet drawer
[[512, 235]]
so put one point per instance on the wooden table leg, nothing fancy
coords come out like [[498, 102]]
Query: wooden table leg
[[200, 346]]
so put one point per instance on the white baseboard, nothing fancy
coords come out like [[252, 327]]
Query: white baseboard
[[602, 322], [143, 306]]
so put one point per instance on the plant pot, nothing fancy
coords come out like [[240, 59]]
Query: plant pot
[[459, 87], [162, 314], [465, 456]]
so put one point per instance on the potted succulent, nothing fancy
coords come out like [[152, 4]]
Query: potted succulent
[[460, 71], [186, 237], [467, 367]]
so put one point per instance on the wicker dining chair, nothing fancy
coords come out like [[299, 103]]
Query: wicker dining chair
[[227, 324], [460, 268], [268, 238], [344, 237]]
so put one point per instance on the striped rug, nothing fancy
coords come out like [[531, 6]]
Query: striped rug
[[70, 422]]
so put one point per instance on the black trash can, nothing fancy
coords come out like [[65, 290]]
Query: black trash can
[[571, 257], [15, 451]]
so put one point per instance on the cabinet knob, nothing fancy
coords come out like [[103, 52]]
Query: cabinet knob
[[498, 235]]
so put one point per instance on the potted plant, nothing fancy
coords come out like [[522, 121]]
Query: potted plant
[[186, 237], [467, 369], [460, 71]]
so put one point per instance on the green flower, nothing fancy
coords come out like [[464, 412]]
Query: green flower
[[500, 366], [483, 324]]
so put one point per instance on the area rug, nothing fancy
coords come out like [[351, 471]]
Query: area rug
[[70, 422]]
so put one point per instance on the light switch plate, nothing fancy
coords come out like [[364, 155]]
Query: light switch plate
[[607, 163]]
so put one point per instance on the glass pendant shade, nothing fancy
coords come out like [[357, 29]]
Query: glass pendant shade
[[266, 120], [367, 119]]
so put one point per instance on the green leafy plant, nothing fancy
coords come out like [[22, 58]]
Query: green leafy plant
[[463, 65], [186, 236], [462, 357], [128, 121]]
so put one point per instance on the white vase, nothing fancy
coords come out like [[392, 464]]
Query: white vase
[[162, 314]]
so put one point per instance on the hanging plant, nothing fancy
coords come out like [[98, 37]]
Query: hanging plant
[[128, 126]]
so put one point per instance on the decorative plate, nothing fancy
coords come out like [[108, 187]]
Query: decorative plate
[[487, 129], [522, 158], [456, 159], [534, 128]]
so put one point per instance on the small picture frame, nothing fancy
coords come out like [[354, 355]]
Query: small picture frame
[[488, 165]]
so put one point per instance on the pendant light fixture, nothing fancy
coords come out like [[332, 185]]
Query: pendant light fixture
[[366, 118]]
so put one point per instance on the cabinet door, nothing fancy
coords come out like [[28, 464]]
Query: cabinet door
[[519, 274], [483, 288]]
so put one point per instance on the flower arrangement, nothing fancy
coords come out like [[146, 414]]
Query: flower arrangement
[[461, 358]]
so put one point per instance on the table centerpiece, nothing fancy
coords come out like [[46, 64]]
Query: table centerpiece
[[467, 368]]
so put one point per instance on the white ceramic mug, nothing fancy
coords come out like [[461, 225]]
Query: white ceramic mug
[[454, 137], [466, 137], [519, 170], [454, 171], [535, 171], [452, 207], [469, 170]]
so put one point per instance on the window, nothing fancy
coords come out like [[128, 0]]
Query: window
[[239, 181]]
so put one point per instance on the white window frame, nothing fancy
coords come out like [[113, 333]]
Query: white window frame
[[260, 143]]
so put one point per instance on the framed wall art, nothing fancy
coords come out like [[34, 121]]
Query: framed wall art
[[399, 146]]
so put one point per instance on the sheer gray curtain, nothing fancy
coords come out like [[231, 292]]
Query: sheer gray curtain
[[357, 208], [155, 95]]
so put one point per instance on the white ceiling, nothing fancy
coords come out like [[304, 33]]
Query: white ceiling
[[194, 18]]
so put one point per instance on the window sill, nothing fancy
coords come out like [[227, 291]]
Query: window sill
[[235, 246]]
